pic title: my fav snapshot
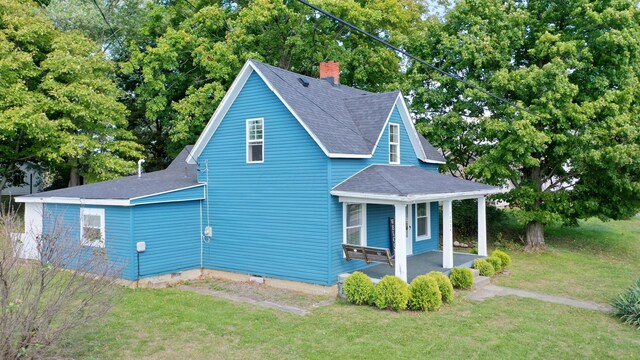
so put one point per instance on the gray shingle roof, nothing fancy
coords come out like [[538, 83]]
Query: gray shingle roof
[[430, 151], [345, 120], [407, 181], [177, 175]]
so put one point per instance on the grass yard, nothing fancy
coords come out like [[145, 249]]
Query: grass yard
[[594, 262], [172, 324]]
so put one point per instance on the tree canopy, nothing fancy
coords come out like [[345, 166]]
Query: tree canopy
[[59, 106], [188, 54], [567, 140], [572, 148]]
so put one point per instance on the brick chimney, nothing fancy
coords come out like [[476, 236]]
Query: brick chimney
[[330, 70]]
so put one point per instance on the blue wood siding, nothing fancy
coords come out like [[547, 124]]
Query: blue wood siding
[[268, 219], [118, 244], [193, 193], [171, 232], [432, 243], [378, 225], [377, 215]]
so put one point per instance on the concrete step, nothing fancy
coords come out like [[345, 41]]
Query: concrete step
[[481, 281], [475, 273]]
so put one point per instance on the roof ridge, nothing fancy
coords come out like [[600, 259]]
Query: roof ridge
[[385, 178], [357, 97], [358, 132], [311, 77]]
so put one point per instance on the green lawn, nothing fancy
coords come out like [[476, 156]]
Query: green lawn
[[174, 324], [593, 262]]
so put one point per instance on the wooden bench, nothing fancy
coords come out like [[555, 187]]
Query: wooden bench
[[367, 253]]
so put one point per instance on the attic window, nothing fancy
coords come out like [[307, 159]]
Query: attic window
[[255, 141], [304, 82], [394, 144]]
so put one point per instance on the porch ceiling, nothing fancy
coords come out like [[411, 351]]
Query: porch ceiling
[[408, 184]]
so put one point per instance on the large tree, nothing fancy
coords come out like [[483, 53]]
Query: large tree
[[571, 147], [190, 51], [59, 106]]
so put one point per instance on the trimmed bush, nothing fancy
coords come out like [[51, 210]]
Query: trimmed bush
[[503, 256], [358, 288], [484, 267], [444, 284], [391, 293], [461, 278], [626, 306], [425, 294], [495, 262]]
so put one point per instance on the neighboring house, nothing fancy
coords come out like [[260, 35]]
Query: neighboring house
[[287, 170], [32, 183]]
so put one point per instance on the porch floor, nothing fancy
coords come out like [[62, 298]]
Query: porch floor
[[421, 264]]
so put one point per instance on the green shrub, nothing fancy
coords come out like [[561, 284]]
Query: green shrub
[[461, 278], [358, 288], [391, 293], [444, 284], [503, 256], [425, 294], [627, 305], [495, 262], [484, 267]]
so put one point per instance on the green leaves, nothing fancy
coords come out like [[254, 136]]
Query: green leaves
[[58, 105], [574, 66]]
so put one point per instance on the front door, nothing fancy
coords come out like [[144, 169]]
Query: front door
[[409, 227]]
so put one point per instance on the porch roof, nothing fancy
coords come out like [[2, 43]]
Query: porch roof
[[403, 183]]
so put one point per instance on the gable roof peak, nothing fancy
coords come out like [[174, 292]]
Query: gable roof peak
[[345, 122]]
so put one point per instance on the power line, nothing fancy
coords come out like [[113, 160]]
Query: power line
[[409, 55], [113, 33]]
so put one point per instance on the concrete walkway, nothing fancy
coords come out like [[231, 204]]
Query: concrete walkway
[[268, 304], [491, 290]]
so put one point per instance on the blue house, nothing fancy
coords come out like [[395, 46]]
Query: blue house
[[288, 169]]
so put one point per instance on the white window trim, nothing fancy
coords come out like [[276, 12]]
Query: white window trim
[[363, 224], [95, 212], [428, 216], [248, 142], [394, 143]]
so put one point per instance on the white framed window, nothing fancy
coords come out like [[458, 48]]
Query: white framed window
[[355, 224], [92, 229], [255, 141], [423, 223], [394, 144]]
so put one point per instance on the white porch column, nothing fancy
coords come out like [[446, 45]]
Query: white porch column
[[401, 242], [482, 227], [447, 238]]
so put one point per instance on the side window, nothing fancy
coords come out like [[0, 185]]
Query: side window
[[354, 224], [255, 141], [423, 223], [394, 144], [92, 227]]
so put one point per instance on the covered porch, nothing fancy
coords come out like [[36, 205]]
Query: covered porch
[[421, 264], [403, 187]]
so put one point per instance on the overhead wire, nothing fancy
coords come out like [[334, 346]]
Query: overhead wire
[[411, 56]]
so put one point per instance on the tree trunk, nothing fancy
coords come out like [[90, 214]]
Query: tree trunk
[[535, 236], [74, 177]]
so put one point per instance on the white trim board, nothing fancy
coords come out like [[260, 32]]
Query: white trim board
[[107, 202], [347, 196]]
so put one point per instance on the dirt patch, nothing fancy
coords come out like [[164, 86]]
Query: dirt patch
[[259, 294]]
